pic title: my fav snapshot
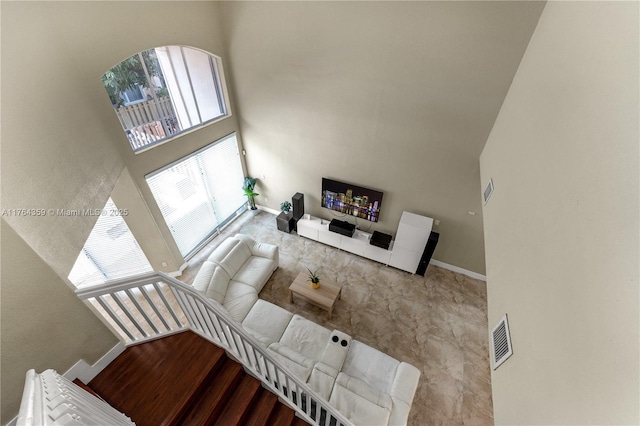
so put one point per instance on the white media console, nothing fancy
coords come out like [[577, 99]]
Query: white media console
[[404, 252]]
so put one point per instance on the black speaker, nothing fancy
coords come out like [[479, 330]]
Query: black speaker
[[428, 252], [298, 205], [342, 227], [381, 240]]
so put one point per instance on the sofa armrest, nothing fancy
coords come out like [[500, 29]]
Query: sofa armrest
[[405, 383], [269, 251], [363, 390], [403, 389], [336, 351]]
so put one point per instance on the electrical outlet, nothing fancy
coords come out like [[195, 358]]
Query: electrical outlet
[[436, 222], [164, 264], [264, 176], [266, 200]]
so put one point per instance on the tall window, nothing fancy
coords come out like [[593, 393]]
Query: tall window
[[200, 193], [110, 252], [162, 92]]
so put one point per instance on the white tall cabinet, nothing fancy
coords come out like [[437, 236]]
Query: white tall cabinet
[[411, 239]]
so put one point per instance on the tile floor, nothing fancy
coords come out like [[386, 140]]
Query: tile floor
[[437, 323]]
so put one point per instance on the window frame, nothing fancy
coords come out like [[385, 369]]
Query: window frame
[[221, 224], [222, 95]]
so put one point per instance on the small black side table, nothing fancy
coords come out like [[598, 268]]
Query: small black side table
[[286, 222]]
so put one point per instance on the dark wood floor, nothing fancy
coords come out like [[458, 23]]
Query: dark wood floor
[[185, 380]]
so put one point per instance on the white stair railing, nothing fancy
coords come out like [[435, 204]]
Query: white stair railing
[[153, 305], [50, 399]]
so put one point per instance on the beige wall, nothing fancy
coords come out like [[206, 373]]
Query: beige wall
[[57, 153], [142, 224], [398, 97], [561, 229], [57, 115], [44, 325]]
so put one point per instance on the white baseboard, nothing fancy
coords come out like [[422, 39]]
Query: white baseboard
[[459, 270], [85, 372], [179, 272], [267, 209]]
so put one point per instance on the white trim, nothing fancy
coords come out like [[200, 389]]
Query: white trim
[[85, 372], [459, 270], [267, 209], [179, 272]]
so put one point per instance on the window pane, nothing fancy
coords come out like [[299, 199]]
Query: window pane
[[223, 172], [204, 83], [185, 203], [161, 92], [200, 192], [110, 252]]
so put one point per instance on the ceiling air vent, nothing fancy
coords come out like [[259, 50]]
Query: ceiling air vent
[[501, 342], [488, 190]]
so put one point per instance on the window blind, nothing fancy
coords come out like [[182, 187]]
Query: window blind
[[110, 252], [199, 192]]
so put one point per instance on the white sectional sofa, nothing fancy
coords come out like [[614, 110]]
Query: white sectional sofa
[[364, 384], [235, 272]]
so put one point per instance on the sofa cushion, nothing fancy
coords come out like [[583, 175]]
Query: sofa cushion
[[375, 368], [266, 321], [213, 281], [222, 250], [306, 337], [236, 257], [359, 402], [239, 300], [297, 363], [255, 272], [259, 249], [322, 379]]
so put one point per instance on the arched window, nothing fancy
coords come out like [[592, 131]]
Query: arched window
[[160, 93]]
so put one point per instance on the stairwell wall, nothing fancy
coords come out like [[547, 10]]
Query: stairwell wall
[[63, 148], [44, 325]]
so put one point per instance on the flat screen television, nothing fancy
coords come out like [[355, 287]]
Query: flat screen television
[[351, 199]]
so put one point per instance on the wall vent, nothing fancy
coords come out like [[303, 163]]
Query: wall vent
[[488, 190], [501, 342]]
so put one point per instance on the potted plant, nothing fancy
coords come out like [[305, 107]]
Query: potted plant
[[314, 278], [285, 206], [249, 184]]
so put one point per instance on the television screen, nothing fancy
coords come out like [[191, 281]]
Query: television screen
[[351, 199]]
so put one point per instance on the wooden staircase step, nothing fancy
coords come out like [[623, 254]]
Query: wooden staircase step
[[297, 421], [184, 379], [154, 383], [282, 415], [241, 401], [262, 408], [214, 398]]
